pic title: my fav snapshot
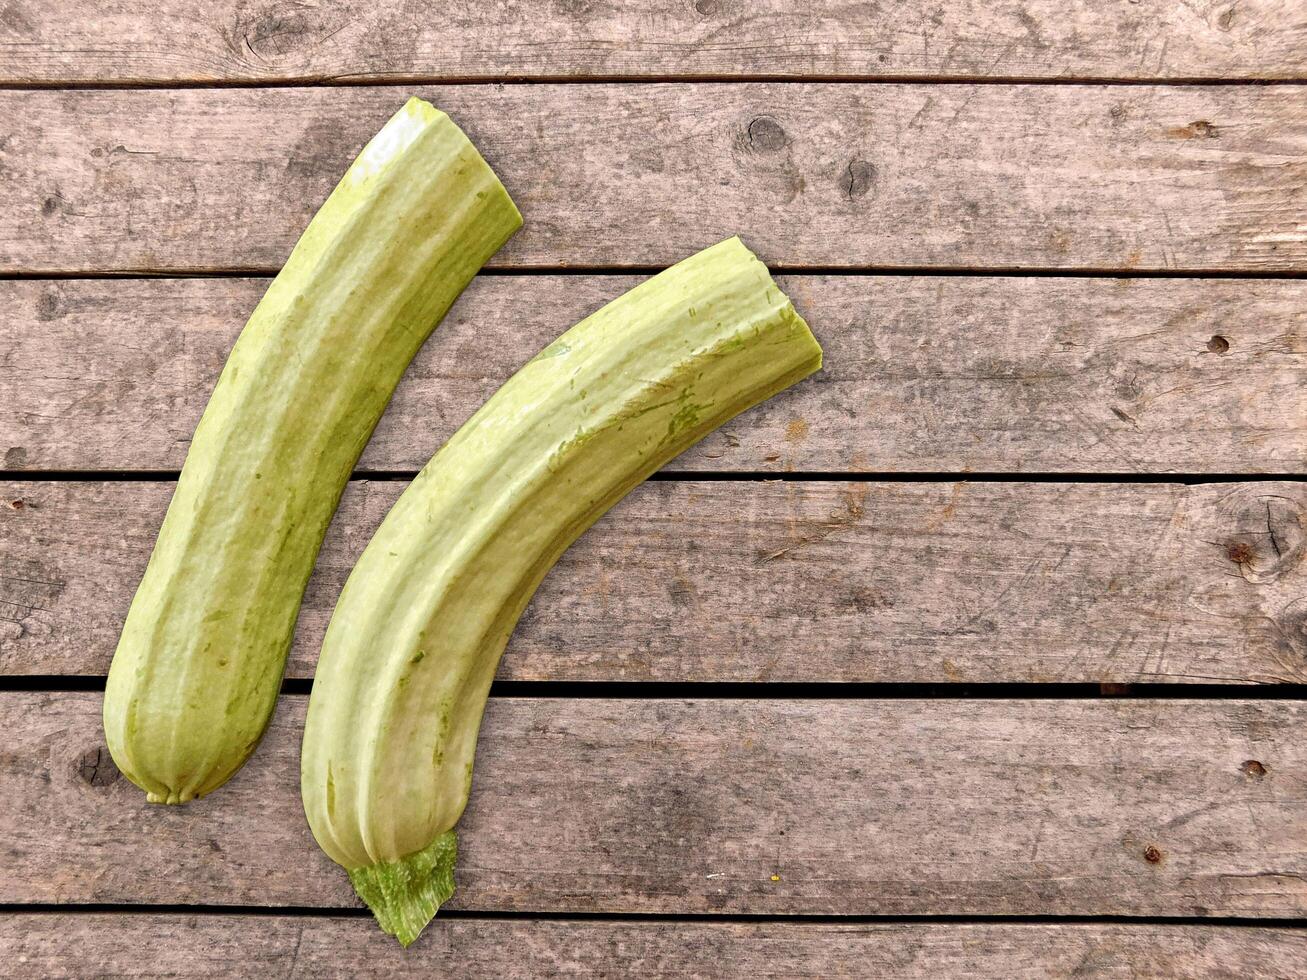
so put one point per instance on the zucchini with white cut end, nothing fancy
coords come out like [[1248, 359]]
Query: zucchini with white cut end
[[196, 672], [412, 647]]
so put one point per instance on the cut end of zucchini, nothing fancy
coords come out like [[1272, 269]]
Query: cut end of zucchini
[[405, 895]]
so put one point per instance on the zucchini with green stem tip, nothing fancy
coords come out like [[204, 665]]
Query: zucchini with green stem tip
[[412, 647], [197, 670]]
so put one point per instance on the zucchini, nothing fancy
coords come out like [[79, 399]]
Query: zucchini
[[197, 670], [413, 644]]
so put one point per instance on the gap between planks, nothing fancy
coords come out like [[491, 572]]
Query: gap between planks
[[672, 476], [732, 476], [781, 690], [36, 909], [1017, 272], [1108, 81], [615, 271]]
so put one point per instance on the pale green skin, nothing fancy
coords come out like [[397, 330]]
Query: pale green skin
[[197, 670], [407, 661]]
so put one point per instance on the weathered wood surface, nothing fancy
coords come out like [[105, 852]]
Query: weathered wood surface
[[189, 41], [782, 582], [825, 807], [923, 373], [56, 946], [1072, 177]]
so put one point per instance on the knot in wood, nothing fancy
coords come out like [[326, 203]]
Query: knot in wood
[[1265, 535], [1290, 637], [273, 33], [96, 767], [858, 178], [766, 135]]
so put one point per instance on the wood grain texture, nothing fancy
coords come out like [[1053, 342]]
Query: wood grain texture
[[1067, 177], [782, 582], [826, 807], [59, 946], [188, 41], [922, 373]]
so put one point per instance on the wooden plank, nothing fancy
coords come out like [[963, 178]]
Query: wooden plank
[[1090, 807], [190, 41], [782, 582], [923, 373], [256, 946], [1068, 177]]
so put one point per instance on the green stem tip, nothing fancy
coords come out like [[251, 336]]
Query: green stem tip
[[405, 894]]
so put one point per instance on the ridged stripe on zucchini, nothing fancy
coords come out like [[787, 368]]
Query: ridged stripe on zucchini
[[410, 652], [199, 664]]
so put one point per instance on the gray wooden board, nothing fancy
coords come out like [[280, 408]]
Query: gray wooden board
[[190, 40], [810, 174], [56, 946], [1050, 807], [718, 581], [648, 806], [922, 373]]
